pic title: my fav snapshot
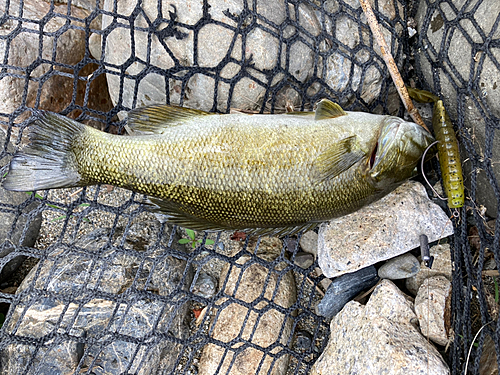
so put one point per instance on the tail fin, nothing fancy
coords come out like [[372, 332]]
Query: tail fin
[[48, 161]]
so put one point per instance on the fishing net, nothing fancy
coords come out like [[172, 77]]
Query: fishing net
[[112, 290]]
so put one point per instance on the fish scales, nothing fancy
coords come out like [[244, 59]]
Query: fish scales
[[234, 171]]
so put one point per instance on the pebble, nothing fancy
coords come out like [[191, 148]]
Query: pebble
[[205, 285], [303, 341], [304, 260], [432, 306], [400, 267], [379, 338], [382, 230], [344, 288], [309, 242], [441, 266]]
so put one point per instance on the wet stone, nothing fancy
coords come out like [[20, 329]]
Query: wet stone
[[72, 275], [401, 267], [205, 285], [345, 288]]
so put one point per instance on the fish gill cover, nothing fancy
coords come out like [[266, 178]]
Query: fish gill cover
[[111, 289]]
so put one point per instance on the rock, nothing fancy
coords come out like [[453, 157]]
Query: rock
[[382, 230], [309, 242], [173, 47], [69, 275], [432, 306], [304, 260], [24, 52], [303, 342], [344, 288], [343, 67], [379, 338], [205, 285], [400, 267], [441, 266], [12, 224], [488, 364], [229, 317], [449, 36]]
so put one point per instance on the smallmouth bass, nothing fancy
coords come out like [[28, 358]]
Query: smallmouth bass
[[258, 173]]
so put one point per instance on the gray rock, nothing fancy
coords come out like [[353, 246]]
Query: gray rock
[[263, 329], [441, 266], [24, 50], [304, 260], [13, 224], [343, 70], [44, 316], [432, 306], [401, 267], [380, 231], [309, 242], [345, 288], [379, 338], [174, 46], [204, 285], [452, 39]]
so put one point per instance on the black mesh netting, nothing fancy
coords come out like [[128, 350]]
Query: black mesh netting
[[111, 289]]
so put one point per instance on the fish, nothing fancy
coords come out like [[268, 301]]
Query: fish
[[259, 173]]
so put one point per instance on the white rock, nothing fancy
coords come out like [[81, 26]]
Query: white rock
[[382, 230], [432, 306], [309, 242], [441, 266], [379, 338]]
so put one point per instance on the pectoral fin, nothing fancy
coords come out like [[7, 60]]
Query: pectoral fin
[[338, 158], [154, 119]]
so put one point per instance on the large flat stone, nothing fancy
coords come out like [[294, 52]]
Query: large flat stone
[[380, 231]]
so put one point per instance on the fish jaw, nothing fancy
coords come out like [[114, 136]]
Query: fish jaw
[[400, 146]]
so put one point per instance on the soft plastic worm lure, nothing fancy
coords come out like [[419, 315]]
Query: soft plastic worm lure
[[449, 155]]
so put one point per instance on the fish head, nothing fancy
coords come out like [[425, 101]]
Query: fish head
[[400, 146]]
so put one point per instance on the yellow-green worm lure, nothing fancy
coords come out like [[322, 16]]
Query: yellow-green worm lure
[[449, 155]]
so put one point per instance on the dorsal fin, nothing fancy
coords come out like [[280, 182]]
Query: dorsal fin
[[328, 109], [154, 119], [338, 158]]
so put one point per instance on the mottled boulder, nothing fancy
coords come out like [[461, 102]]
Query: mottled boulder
[[379, 338], [380, 231]]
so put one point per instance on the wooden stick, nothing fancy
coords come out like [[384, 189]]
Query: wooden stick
[[391, 64]]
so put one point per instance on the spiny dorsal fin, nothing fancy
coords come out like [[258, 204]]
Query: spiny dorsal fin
[[328, 109], [154, 119], [338, 158]]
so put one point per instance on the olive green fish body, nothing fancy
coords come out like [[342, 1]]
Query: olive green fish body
[[237, 171]]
